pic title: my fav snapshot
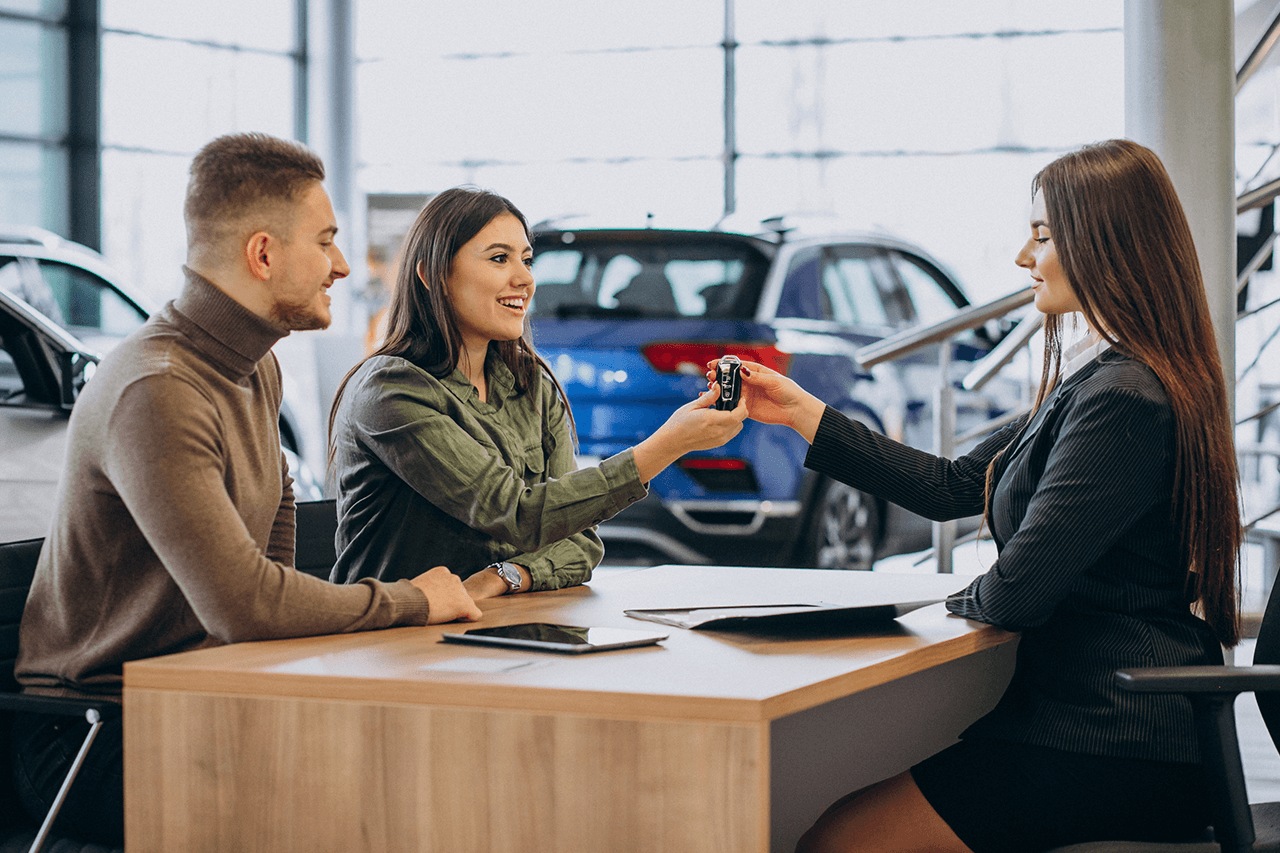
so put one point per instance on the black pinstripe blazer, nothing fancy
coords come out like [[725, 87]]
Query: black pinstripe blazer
[[1089, 566]]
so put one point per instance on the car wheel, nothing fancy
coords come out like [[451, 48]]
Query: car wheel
[[844, 528]]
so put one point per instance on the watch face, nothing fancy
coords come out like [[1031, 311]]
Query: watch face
[[510, 574]]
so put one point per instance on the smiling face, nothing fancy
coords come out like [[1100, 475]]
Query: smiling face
[[490, 283], [311, 262], [1054, 294]]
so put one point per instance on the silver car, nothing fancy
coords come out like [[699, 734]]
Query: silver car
[[61, 307]]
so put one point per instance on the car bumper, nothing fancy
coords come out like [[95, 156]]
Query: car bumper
[[703, 532]]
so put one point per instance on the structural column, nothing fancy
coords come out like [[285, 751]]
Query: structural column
[[1179, 90]]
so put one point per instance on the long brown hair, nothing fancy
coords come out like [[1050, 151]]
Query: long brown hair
[[422, 326], [1125, 247]]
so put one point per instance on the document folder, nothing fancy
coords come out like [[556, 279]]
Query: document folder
[[809, 614]]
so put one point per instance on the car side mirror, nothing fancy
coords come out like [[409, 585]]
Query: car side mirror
[[76, 368]]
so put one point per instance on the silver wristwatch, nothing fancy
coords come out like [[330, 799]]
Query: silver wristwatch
[[509, 573]]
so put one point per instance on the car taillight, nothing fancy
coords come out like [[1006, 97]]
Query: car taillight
[[692, 358], [718, 474]]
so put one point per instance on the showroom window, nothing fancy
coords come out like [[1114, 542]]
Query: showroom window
[[218, 76], [34, 159]]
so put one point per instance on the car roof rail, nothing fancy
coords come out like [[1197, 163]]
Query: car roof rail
[[30, 235]]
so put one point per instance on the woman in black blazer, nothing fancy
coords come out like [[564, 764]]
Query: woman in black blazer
[[1114, 508]]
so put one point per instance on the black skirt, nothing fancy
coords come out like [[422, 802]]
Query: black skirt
[[1003, 797]]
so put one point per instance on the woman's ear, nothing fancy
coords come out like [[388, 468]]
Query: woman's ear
[[422, 274]]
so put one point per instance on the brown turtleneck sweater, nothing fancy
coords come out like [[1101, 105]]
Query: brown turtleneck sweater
[[175, 520]]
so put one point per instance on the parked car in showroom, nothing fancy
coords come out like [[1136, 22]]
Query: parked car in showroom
[[628, 319], [61, 308]]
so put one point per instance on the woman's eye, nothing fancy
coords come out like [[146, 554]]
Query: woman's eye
[[499, 258], [528, 262], [1042, 239]]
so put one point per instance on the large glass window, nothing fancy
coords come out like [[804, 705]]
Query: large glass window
[[33, 79], [34, 116], [206, 91], [33, 185], [50, 9], [241, 23], [581, 106], [175, 76]]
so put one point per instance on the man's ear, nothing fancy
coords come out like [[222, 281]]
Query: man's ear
[[258, 250]]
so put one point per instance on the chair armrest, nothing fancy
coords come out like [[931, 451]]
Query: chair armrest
[[1201, 680], [57, 705]]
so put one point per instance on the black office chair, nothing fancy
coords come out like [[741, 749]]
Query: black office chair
[[1237, 826], [17, 567], [315, 524]]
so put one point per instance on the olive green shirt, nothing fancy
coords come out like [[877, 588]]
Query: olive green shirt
[[429, 475]]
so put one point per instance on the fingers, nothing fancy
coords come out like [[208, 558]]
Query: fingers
[[448, 598], [748, 367], [705, 400]]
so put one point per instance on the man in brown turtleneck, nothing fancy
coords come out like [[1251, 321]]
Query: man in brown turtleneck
[[175, 520]]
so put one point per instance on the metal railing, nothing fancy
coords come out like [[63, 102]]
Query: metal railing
[[944, 427], [946, 439]]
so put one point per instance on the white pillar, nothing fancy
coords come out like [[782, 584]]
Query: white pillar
[[1179, 91]]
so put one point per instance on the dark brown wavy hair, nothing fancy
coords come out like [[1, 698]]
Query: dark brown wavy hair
[[422, 326], [1125, 247]]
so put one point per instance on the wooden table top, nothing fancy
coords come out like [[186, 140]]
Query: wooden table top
[[696, 675]]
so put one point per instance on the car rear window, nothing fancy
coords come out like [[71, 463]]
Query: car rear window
[[658, 277]]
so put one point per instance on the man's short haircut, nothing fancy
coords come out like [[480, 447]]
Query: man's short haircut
[[245, 182]]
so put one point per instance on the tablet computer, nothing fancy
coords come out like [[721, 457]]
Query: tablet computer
[[550, 637]]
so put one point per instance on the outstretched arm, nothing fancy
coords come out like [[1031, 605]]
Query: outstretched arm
[[423, 435], [845, 450]]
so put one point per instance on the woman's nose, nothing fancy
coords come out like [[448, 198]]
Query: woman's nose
[[1024, 258]]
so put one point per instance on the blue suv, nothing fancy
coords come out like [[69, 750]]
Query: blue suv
[[628, 319]]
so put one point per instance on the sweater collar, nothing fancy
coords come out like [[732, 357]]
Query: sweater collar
[[229, 332]]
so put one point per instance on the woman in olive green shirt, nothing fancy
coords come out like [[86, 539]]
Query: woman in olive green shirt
[[453, 443]]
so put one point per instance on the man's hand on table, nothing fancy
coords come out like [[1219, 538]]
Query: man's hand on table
[[449, 599]]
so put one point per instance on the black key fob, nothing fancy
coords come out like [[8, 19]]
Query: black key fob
[[729, 378]]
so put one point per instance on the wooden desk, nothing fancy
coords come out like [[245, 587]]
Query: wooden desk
[[709, 742]]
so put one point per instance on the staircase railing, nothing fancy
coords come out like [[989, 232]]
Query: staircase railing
[[944, 433]]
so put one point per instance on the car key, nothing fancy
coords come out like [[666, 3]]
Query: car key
[[729, 378]]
